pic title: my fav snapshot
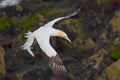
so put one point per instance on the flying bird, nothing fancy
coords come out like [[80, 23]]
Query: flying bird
[[42, 36]]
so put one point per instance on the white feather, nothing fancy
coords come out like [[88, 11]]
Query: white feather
[[51, 23], [42, 36], [29, 42], [45, 46]]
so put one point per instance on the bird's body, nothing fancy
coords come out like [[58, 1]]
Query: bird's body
[[44, 40], [42, 36]]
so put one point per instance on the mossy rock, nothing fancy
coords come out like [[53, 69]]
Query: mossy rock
[[45, 11], [116, 52], [27, 23], [73, 26], [5, 23]]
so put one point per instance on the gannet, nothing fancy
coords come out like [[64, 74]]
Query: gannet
[[42, 36]]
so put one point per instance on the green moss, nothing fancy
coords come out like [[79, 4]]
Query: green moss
[[76, 28], [27, 23], [80, 33], [5, 23], [116, 52], [45, 12]]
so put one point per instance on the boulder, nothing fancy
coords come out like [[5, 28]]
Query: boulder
[[113, 72], [115, 22]]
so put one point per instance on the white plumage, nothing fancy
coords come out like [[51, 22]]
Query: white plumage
[[42, 36], [29, 42]]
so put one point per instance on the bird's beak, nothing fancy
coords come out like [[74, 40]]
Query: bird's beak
[[68, 39]]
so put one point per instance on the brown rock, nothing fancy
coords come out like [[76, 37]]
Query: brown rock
[[115, 22], [98, 57], [113, 71], [89, 44], [2, 62]]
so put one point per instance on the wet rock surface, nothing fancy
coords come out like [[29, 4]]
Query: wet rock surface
[[95, 34]]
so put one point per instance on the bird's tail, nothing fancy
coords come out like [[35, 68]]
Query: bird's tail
[[29, 42]]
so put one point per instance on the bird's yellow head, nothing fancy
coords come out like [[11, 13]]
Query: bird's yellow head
[[63, 35]]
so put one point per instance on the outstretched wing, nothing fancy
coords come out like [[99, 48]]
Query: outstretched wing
[[51, 23], [56, 65], [51, 56], [45, 45]]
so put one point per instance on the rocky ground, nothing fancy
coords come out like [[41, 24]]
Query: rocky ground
[[94, 53]]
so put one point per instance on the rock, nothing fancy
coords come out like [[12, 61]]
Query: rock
[[115, 22], [113, 72], [117, 41], [103, 36], [2, 62], [98, 58], [98, 62], [89, 44]]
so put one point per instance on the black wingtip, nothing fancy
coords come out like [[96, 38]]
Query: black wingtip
[[74, 13]]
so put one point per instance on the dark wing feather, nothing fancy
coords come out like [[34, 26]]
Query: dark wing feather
[[57, 66]]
